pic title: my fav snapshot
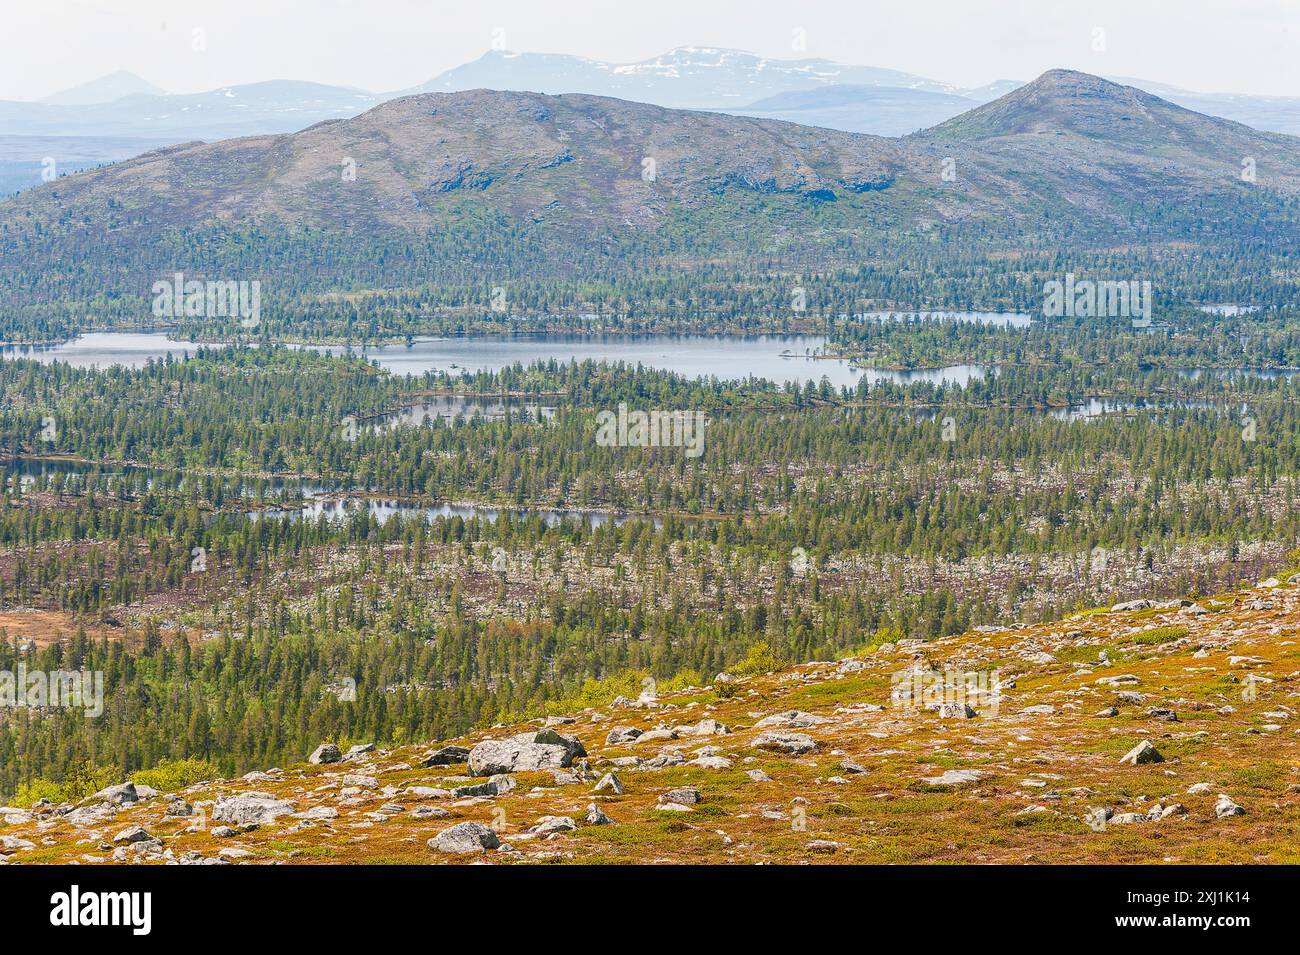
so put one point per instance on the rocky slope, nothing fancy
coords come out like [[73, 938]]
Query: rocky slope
[[1136, 734]]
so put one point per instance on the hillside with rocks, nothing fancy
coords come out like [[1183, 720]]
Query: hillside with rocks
[[1139, 733]]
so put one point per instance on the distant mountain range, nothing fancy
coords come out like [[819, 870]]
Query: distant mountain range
[[1068, 157], [110, 116]]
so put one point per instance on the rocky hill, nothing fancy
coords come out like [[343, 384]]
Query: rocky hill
[[1066, 142], [1136, 734]]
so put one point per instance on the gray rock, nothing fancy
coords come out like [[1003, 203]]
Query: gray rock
[[792, 719], [359, 750], [429, 812], [224, 832], [134, 834], [550, 825], [118, 795], [595, 817], [1226, 807], [705, 727], [951, 711], [622, 734], [955, 777], [1131, 605], [252, 808], [711, 762], [179, 808], [496, 786], [849, 766], [546, 749], [1143, 752], [465, 838], [325, 753], [793, 743], [446, 756], [758, 776], [609, 783], [683, 796]]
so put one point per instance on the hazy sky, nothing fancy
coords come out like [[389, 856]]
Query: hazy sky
[[1248, 46]]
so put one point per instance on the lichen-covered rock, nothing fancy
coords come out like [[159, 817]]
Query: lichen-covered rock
[[1143, 752], [325, 753], [465, 838], [526, 752], [795, 744], [250, 809]]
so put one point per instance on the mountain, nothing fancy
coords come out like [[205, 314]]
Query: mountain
[[813, 92], [1002, 745], [1077, 141], [535, 157], [879, 110], [555, 185], [686, 78], [277, 106], [106, 89]]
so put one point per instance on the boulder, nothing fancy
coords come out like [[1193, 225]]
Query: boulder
[[622, 734], [954, 711], [609, 783], [550, 825], [955, 777], [496, 786], [250, 809], [595, 817], [117, 795], [446, 756], [1143, 752], [325, 753], [526, 752], [134, 834], [683, 796], [465, 838], [1226, 807], [795, 744], [791, 719]]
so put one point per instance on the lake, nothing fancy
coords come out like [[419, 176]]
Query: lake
[[777, 358]]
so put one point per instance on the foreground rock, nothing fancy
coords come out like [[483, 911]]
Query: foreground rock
[[465, 838], [325, 753], [526, 752], [1143, 752], [446, 756], [118, 795], [793, 743], [250, 809]]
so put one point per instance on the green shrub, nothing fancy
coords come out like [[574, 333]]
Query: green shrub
[[173, 774], [759, 659], [1158, 635]]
